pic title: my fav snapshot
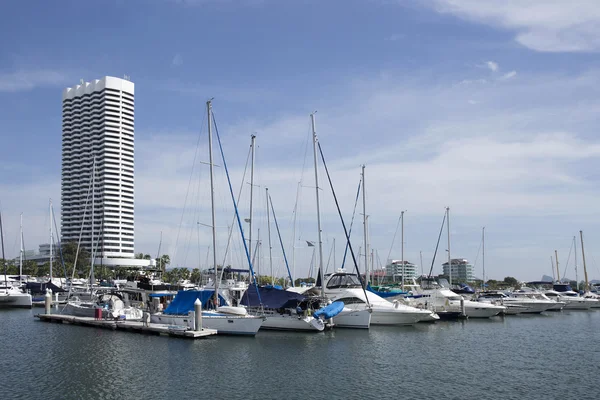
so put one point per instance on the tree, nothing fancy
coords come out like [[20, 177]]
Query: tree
[[69, 251], [510, 281], [196, 276], [163, 261]]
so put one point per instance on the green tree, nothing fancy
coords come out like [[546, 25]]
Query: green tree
[[195, 276], [163, 261], [30, 267], [510, 281]]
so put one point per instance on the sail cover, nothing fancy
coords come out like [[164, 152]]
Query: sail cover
[[271, 297], [183, 302]]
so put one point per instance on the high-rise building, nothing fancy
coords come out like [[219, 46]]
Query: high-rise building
[[396, 268], [462, 270], [98, 136]]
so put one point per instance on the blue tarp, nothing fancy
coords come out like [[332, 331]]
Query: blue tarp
[[271, 298], [330, 311], [183, 302], [385, 295], [161, 294]]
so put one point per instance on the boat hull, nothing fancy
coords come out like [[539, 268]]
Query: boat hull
[[15, 300], [224, 324], [356, 319], [292, 323]]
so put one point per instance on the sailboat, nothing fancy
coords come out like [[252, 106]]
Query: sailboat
[[225, 319], [11, 296]]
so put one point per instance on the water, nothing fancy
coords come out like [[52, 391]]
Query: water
[[517, 357]]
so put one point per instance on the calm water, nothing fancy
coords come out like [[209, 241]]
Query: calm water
[[517, 357]]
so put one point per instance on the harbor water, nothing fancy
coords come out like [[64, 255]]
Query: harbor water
[[547, 356]]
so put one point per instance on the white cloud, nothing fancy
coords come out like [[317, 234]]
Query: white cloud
[[541, 25], [508, 75], [493, 66], [23, 80], [177, 60]]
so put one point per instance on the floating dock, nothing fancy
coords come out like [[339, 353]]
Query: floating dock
[[131, 326]]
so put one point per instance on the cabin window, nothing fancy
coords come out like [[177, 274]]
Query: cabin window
[[351, 300]]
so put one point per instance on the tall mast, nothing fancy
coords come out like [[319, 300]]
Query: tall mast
[[552, 266], [3, 256], [575, 249], [557, 272], [212, 200], [51, 237], [449, 257], [402, 248], [294, 234], [252, 143], [421, 259], [315, 140], [21, 252], [269, 234], [483, 252], [93, 219], [587, 284], [366, 236]]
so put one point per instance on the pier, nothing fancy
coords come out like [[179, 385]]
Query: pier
[[130, 326]]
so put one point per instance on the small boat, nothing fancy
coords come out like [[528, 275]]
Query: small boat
[[112, 307]]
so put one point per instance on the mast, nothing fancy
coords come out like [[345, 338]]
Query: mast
[[402, 249], [587, 284], [3, 257], [552, 266], [312, 120], [21, 252], [269, 234], [366, 236], [557, 272], [575, 249], [483, 252], [449, 257], [93, 220], [421, 259], [212, 200], [294, 234], [51, 237], [252, 143]]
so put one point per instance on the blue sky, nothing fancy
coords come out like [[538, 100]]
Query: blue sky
[[487, 107]]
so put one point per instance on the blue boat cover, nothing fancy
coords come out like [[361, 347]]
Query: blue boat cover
[[183, 302], [385, 295], [271, 297], [329, 311], [162, 295]]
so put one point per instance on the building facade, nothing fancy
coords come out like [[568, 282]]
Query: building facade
[[98, 151], [395, 269], [462, 271]]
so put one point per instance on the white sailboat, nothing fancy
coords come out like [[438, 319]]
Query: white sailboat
[[229, 320], [11, 296]]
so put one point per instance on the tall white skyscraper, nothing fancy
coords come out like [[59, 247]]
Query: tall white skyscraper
[[98, 124]]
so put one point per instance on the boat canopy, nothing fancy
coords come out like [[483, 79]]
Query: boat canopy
[[271, 297], [382, 294], [183, 302], [40, 288]]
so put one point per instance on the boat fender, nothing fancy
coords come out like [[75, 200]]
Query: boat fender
[[396, 303]]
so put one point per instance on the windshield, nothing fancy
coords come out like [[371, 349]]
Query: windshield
[[342, 280]]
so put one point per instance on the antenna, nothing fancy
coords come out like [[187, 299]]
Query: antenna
[[127, 77]]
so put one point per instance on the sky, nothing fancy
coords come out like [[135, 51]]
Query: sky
[[489, 108]]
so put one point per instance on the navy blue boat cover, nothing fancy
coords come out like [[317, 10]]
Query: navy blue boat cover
[[183, 302], [271, 297]]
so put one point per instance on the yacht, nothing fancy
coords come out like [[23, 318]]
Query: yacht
[[284, 310], [111, 306], [226, 319], [436, 295], [346, 287], [498, 297], [13, 297], [525, 300], [573, 301]]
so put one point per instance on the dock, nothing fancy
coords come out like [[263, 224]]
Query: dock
[[130, 326]]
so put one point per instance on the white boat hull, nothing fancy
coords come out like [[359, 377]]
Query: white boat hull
[[15, 300], [357, 319], [578, 304], [283, 322], [224, 324]]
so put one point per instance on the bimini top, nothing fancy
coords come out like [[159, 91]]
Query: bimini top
[[271, 297], [183, 302]]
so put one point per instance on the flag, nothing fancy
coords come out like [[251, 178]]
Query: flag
[[310, 244]]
